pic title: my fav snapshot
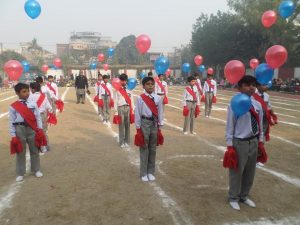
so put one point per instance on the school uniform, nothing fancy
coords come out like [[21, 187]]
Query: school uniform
[[105, 96], [190, 102], [210, 92], [124, 108], [20, 128], [244, 133], [149, 124], [97, 91], [199, 86], [161, 89], [53, 96]]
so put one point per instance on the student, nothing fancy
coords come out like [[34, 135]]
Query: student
[[105, 99], [148, 121], [25, 128], [161, 89], [53, 89], [97, 90], [210, 94], [124, 107], [191, 105], [244, 137], [198, 84]]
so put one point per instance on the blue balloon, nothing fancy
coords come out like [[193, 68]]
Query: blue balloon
[[264, 73], [32, 9], [286, 9], [186, 68], [131, 83], [201, 68], [269, 84], [110, 52], [161, 65], [26, 66], [93, 65], [142, 75], [240, 104]]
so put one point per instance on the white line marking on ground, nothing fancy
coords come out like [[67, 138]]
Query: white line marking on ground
[[8, 98], [3, 114], [7, 197], [4, 93], [174, 210]]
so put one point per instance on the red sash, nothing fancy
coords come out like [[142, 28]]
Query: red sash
[[199, 88], [51, 88], [208, 81], [98, 83], [161, 86], [41, 99], [106, 89], [26, 113], [128, 100], [151, 104], [191, 92]]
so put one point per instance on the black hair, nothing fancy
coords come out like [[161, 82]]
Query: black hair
[[21, 86], [105, 77], [160, 75], [248, 80], [36, 86], [190, 78], [150, 74], [146, 79], [99, 74], [50, 76], [196, 74], [123, 77], [39, 80]]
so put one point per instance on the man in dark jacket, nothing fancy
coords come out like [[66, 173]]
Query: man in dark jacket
[[81, 83]]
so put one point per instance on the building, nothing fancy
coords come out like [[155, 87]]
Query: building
[[62, 49]]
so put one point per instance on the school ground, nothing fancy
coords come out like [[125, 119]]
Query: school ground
[[89, 180]]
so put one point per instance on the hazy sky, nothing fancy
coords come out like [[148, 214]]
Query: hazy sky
[[168, 22]]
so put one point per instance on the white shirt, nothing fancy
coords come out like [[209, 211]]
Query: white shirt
[[188, 97], [97, 86], [206, 88], [120, 100], [101, 91], [158, 90], [142, 109], [45, 106], [240, 127], [199, 83], [266, 98], [55, 88]]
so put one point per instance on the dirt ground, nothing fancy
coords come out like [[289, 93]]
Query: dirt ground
[[89, 180]]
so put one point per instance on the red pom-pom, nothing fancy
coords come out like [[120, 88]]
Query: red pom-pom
[[52, 120], [40, 138], [230, 158], [262, 156], [60, 105], [117, 119], [203, 98], [185, 111], [100, 103], [214, 99], [131, 118], [160, 138], [139, 138], [15, 145], [111, 103], [197, 111], [166, 100], [96, 98]]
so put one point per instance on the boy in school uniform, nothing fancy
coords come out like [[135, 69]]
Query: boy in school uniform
[[244, 137], [191, 105], [161, 89], [97, 90], [148, 121], [209, 94], [124, 106], [53, 89], [44, 108], [105, 99], [25, 128], [198, 84]]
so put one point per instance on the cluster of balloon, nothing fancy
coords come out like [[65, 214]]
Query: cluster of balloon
[[93, 65], [57, 62], [131, 83], [32, 9], [105, 67], [26, 66], [142, 75], [269, 18], [240, 104], [161, 65], [116, 83], [45, 68], [276, 56], [168, 72], [198, 60], [286, 8], [143, 43], [264, 73], [201, 68], [186, 68], [101, 57], [234, 71], [110, 52], [253, 63], [13, 69], [210, 71]]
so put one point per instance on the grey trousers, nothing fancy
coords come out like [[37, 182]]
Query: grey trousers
[[189, 120], [148, 151], [124, 127], [241, 180], [44, 116], [105, 110], [162, 99], [27, 135], [80, 94], [208, 103]]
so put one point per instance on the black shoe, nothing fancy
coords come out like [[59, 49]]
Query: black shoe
[[82, 102]]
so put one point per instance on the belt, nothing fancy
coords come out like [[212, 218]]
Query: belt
[[191, 101], [105, 95], [148, 118], [123, 105], [161, 94], [209, 92], [21, 123], [247, 139]]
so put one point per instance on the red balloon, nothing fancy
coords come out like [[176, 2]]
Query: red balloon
[[45, 68], [13, 69], [168, 72], [234, 71], [276, 56], [143, 43], [210, 71], [253, 63], [269, 18], [101, 57], [198, 60], [116, 83], [57, 62], [105, 67]]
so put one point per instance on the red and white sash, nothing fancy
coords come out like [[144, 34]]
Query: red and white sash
[[162, 88], [191, 92], [26, 113], [41, 99], [151, 104], [208, 81], [51, 88], [105, 88]]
